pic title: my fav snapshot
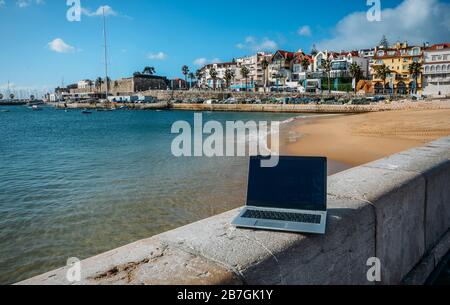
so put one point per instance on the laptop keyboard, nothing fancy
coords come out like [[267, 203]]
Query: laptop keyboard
[[283, 216]]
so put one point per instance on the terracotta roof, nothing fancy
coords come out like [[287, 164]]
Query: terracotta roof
[[438, 47], [285, 54]]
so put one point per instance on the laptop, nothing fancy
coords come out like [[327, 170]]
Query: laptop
[[290, 197]]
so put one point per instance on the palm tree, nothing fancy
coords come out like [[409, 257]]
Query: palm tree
[[229, 75], [98, 83], [108, 83], [213, 74], [326, 66], [265, 66], [305, 65], [191, 77], [199, 76], [12, 96], [185, 70], [245, 72], [149, 71], [415, 69], [382, 72], [355, 72]]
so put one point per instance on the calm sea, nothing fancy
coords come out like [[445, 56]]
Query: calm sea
[[74, 185]]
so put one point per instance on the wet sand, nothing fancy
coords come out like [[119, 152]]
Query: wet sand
[[353, 140]]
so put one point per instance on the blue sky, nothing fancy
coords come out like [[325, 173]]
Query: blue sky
[[40, 46]]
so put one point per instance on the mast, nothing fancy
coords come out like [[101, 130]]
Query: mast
[[106, 53]]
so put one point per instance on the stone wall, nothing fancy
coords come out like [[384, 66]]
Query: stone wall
[[396, 209]]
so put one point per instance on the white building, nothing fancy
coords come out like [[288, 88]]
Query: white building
[[219, 82], [299, 74], [257, 75], [341, 62], [436, 70], [84, 84]]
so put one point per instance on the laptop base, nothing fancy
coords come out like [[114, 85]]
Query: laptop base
[[281, 225]]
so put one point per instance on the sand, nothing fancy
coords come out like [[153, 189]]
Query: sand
[[353, 140]]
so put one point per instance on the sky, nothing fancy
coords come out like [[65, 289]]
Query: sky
[[41, 48]]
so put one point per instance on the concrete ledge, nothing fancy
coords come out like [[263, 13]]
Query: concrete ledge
[[395, 209]]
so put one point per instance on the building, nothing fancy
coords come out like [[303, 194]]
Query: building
[[280, 68], [219, 82], [120, 87], [397, 58], [436, 70], [257, 77], [298, 73], [85, 84], [341, 62]]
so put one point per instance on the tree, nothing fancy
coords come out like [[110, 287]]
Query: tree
[[12, 96], [245, 72], [355, 72], [326, 66], [199, 76], [108, 83], [382, 72], [149, 71], [384, 42], [98, 83], [191, 77], [314, 51], [185, 70], [265, 66], [305, 63], [213, 74], [415, 69], [229, 75]]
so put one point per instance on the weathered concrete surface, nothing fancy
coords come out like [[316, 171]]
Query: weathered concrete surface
[[398, 198], [429, 263], [395, 209], [339, 257]]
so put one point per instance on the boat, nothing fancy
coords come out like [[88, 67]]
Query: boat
[[85, 111], [5, 110], [36, 108]]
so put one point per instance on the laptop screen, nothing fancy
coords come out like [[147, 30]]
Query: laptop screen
[[298, 183]]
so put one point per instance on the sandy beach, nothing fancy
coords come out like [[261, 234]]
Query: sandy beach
[[353, 140]]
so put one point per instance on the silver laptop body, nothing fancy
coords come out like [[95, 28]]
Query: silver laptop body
[[290, 197]]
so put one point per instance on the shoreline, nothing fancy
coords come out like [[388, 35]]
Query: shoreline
[[356, 139]]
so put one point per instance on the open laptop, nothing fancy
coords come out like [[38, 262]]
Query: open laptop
[[290, 197]]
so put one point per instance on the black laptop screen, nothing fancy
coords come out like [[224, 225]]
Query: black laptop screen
[[296, 183]]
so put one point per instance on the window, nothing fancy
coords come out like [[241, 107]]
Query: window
[[416, 51], [380, 53]]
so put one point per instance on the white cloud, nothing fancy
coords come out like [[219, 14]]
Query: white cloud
[[253, 44], [99, 12], [2, 3], [415, 21], [204, 61], [25, 3], [157, 56], [304, 30], [58, 45]]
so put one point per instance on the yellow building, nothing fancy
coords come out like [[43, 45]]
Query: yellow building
[[397, 58]]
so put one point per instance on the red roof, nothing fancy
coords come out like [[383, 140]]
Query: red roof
[[440, 46]]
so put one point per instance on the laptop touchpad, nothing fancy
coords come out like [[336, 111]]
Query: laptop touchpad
[[270, 224]]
